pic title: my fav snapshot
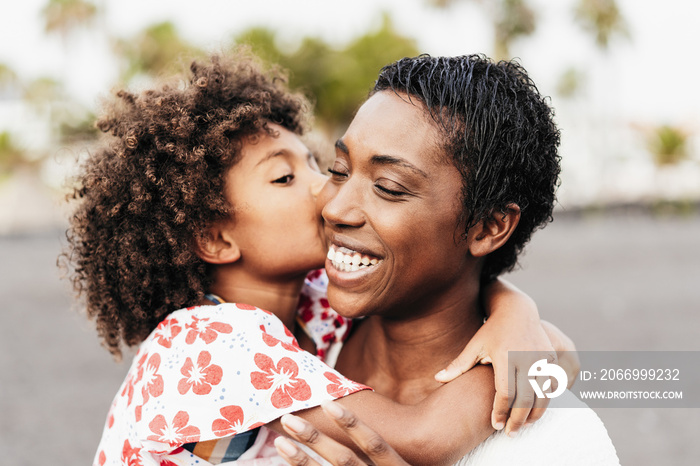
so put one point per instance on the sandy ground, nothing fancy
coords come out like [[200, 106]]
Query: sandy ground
[[622, 282]]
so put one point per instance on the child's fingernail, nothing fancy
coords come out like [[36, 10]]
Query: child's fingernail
[[292, 422], [285, 446], [512, 433], [333, 409], [499, 425], [441, 375]]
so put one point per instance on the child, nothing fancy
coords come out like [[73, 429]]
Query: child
[[206, 189]]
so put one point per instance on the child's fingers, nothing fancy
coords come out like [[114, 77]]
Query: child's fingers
[[538, 410], [523, 404], [505, 393], [468, 358], [293, 455], [371, 443]]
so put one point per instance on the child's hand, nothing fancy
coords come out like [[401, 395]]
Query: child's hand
[[374, 446], [490, 345], [513, 325]]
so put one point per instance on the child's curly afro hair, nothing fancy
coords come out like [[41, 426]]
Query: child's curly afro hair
[[150, 191]]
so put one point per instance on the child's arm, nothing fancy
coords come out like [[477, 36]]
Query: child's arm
[[439, 430], [513, 325]]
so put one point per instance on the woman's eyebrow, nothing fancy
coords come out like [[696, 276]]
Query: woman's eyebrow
[[397, 161], [384, 159], [340, 145]]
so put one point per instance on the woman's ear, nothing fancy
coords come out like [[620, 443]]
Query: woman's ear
[[218, 246], [492, 232]]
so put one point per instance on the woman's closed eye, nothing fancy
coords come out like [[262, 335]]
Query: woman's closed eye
[[286, 179], [390, 192], [336, 174]]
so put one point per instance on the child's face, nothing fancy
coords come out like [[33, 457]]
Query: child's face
[[273, 191]]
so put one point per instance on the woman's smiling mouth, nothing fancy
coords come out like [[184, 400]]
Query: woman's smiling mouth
[[347, 260]]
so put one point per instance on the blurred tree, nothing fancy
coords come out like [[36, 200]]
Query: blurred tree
[[570, 82], [668, 144], [262, 41], [8, 77], [12, 156], [512, 19], [42, 92], [64, 16], [155, 51], [603, 19], [78, 128], [338, 80]]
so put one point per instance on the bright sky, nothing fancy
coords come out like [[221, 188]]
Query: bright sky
[[653, 76], [648, 80]]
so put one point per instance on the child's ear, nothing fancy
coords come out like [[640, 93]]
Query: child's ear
[[493, 232], [218, 246]]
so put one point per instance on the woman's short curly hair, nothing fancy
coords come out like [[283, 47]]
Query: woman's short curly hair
[[497, 130], [149, 192]]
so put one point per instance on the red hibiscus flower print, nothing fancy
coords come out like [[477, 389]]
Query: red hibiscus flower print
[[272, 341], [175, 433], [281, 379], [133, 379], [152, 380], [166, 331], [131, 456], [232, 422], [199, 377], [101, 458], [207, 331], [340, 386]]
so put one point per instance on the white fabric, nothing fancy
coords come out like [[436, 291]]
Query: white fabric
[[562, 437]]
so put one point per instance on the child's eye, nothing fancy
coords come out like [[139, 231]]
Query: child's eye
[[284, 179]]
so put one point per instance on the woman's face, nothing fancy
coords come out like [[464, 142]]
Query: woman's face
[[391, 214], [273, 190]]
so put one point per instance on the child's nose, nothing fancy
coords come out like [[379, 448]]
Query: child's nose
[[318, 183]]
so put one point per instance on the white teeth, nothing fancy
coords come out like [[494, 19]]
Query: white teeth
[[348, 260]]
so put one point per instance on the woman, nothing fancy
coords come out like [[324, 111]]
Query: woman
[[441, 178], [207, 188]]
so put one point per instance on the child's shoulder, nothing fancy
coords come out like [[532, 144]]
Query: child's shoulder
[[203, 325]]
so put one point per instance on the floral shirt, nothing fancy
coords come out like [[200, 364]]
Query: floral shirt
[[211, 372]]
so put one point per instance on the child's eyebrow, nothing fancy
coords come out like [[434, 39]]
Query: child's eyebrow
[[271, 155]]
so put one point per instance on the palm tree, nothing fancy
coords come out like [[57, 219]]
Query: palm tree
[[603, 19], [155, 51], [668, 144], [64, 16]]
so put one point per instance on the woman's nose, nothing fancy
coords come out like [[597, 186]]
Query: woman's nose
[[342, 205]]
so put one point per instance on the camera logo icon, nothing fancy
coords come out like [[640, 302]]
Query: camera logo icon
[[542, 368]]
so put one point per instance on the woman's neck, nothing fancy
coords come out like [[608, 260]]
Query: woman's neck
[[280, 297], [399, 357]]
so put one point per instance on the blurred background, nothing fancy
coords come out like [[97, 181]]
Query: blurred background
[[619, 269]]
